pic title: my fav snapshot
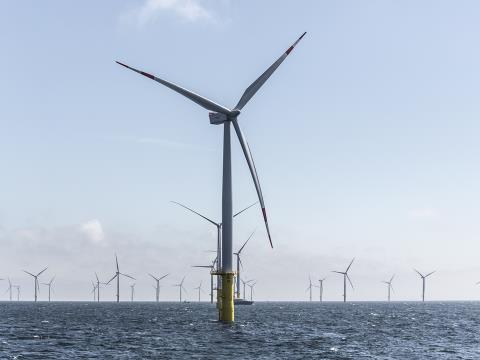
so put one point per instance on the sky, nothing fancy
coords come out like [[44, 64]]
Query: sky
[[365, 140]]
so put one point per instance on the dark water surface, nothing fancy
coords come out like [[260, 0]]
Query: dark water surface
[[449, 330]]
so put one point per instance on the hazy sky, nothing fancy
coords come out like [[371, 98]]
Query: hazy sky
[[365, 140]]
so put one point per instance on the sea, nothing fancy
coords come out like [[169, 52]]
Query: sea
[[265, 330]]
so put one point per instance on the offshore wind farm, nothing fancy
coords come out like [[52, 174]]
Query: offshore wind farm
[[200, 179]]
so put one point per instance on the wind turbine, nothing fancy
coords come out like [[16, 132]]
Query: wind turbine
[[157, 287], [218, 225], [423, 281], [246, 283], [18, 291], [98, 287], [223, 115], [345, 277], [199, 288], [94, 289], [49, 284], [211, 267], [117, 275], [132, 293], [37, 286], [320, 286], [251, 290], [180, 287], [389, 286], [239, 262], [309, 287], [9, 289]]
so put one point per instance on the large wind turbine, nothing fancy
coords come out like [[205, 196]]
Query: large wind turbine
[[49, 284], [157, 285], [37, 286], [180, 287], [389, 286], [222, 115], [239, 262], [218, 225], [211, 267], [117, 275], [423, 281], [345, 277], [309, 287]]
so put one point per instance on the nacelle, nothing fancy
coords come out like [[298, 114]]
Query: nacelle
[[217, 118]]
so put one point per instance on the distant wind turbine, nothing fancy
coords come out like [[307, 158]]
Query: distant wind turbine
[[98, 287], [94, 289], [117, 276], [199, 288], [251, 286], [37, 286], [211, 267], [132, 293], [157, 285], [239, 263], [246, 282], [49, 284], [9, 289], [345, 277], [389, 286], [309, 288], [18, 291], [320, 287], [180, 287], [423, 282]]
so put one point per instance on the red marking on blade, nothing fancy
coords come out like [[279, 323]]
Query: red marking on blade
[[289, 50], [147, 75]]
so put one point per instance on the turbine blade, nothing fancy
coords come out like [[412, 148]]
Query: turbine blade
[[109, 281], [239, 251], [348, 268], [186, 207], [116, 261], [350, 281], [29, 273], [418, 272], [163, 277], [253, 172], [240, 261], [202, 266], [338, 272], [391, 279], [42, 271], [131, 277], [391, 287], [200, 100], [429, 274], [97, 277], [248, 207], [257, 84], [153, 277]]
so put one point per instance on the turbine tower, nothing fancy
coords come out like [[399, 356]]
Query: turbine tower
[[218, 225], [320, 287], [309, 287], [94, 289], [222, 115], [389, 286], [117, 276], [132, 292], [239, 263], [180, 287], [157, 285], [345, 277], [211, 267], [37, 286], [98, 287], [423, 282], [49, 284]]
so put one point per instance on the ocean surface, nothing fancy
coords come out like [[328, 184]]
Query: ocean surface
[[364, 330]]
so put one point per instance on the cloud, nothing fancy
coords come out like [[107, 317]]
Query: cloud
[[188, 10], [423, 213], [93, 230]]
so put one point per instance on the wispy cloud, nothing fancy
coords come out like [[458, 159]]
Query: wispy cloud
[[93, 230], [187, 10]]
